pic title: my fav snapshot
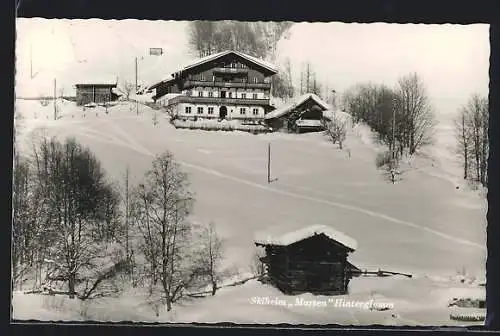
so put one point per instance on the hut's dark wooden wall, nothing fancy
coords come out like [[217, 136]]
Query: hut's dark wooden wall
[[309, 110], [317, 264], [98, 94]]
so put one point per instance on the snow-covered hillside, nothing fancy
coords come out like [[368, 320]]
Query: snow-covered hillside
[[421, 225], [439, 159], [254, 302]]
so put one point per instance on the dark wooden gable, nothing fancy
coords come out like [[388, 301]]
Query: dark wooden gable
[[165, 87], [226, 60], [310, 109], [317, 247]]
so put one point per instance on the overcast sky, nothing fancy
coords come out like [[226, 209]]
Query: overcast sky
[[453, 60]]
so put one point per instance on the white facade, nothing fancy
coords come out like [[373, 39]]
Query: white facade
[[230, 93], [188, 110], [234, 110]]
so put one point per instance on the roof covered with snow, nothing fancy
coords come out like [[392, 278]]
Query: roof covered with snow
[[287, 108], [212, 57], [155, 85], [307, 232], [331, 114], [168, 96], [116, 91], [101, 80]]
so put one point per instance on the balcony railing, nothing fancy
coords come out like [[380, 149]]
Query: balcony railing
[[192, 83], [218, 101], [230, 70]]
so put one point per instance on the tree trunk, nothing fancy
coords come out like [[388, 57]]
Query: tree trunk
[[214, 287], [478, 165], [71, 285], [169, 303]]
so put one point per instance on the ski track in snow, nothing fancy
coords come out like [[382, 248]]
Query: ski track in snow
[[134, 145]]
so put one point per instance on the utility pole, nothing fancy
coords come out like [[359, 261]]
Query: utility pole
[[136, 75], [136, 88], [394, 101], [55, 100], [269, 162]]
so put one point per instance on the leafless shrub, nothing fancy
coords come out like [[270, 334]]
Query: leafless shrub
[[336, 129]]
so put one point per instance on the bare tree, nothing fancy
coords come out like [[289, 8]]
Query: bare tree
[[127, 88], [201, 37], [416, 122], [472, 137], [161, 207], [80, 215], [127, 200], [335, 128], [463, 136], [211, 256], [255, 38], [25, 206]]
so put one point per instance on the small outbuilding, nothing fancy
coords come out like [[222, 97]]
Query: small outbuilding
[[312, 259], [302, 114], [96, 91]]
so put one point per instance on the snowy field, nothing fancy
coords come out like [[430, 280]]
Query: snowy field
[[421, 225]]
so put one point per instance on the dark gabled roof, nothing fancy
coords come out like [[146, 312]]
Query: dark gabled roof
[[266, 65]]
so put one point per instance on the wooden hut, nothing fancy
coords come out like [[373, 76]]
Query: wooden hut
[[302, 114], [96, 91], [313, 259]]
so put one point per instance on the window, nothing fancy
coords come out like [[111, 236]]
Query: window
[[202, 78], [188, 93], [188, 109], [200, 93], [200, 110], [255, 80], [210, 94], [255, 111], [213, 78], [254, 95], [210, 110], [243, 96], [233, 65], [243, 110], [229, 94]]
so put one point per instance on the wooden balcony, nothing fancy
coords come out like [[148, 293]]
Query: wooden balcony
[[219, 101], [231, 70], [193, 83]]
